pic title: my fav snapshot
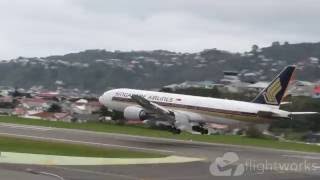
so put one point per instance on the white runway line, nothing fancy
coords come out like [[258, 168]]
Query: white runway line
[[88, 143], [15, 126], [96, 172], [303, 157]]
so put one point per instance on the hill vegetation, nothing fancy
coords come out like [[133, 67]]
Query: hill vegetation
[[98, 70]]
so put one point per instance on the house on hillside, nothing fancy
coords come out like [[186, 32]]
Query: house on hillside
[[250, 77], [51, 116], [19, 111], [314, 60], [258, 86], [236, 87], [301, 88], [94, 106], [6, 111], [49, 95], [316, 92], [230, 77], [35, 104], [6, 99], [80, 107], [191, 84]]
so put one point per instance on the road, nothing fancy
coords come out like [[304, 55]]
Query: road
[[259, 163]]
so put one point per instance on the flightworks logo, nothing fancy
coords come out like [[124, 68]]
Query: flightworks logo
[[227, 165]]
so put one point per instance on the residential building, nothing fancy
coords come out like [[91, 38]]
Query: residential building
[[316, 92]]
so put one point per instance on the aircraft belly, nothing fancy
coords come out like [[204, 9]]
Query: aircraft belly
[[210, 116], [222, 118]]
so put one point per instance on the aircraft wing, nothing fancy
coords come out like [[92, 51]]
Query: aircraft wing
[[153, 108]]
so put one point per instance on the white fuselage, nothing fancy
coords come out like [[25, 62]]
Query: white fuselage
[[209, 108]]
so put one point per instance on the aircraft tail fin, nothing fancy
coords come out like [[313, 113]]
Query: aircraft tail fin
[[273, 94]]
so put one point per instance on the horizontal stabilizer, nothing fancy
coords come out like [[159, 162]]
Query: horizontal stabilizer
[[285, 103], [304, 113]]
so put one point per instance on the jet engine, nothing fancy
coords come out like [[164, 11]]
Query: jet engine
[[134, 113]]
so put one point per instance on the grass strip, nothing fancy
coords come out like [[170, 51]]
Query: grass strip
[[20, 145]]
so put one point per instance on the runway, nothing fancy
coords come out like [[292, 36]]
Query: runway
[[252, 158]]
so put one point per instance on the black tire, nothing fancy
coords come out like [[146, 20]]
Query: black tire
[[204, 131], [175, 131]]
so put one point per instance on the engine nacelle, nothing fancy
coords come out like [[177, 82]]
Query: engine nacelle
[[134, 113]]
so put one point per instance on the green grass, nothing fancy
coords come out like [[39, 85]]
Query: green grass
[[291, 134], [144, 131], [10, 144]]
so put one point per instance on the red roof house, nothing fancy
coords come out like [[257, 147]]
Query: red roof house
[[316, 92]]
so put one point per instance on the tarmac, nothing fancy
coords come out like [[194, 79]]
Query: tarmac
[[257, 163]]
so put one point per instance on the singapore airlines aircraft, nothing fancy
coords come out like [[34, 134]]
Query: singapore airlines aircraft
[[193, 113]]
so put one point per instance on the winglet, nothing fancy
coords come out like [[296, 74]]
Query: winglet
[[273, 94]]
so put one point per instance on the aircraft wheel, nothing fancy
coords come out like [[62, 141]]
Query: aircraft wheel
[[176, 131], [204, 131]]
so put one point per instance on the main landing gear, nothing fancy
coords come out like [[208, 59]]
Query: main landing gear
[[174, 130], [200, 129]]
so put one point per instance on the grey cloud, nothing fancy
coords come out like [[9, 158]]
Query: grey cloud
[[46, 27]]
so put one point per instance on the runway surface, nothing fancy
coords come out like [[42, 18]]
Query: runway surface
[[259, 163]]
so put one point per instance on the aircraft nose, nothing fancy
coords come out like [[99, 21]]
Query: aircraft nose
[[101, 99], [105, 98]]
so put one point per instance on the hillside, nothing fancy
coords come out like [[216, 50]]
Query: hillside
[[98, 70]]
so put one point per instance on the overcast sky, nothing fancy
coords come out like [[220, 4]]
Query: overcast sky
[[51, 27]]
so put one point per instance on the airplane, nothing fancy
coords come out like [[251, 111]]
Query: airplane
[[193, 113]]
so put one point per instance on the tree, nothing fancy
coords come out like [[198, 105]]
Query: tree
[[104, 111], [255, 48], [54, 108], [16, 93]]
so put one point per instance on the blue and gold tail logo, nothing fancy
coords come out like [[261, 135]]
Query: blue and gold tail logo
[[273, 94], [272, 91]]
